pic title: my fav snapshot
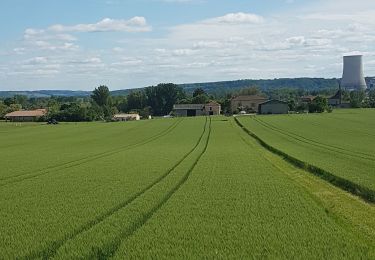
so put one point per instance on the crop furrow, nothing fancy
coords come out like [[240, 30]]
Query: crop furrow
[[51, 250], [340, 129], [349, 186], [57, 166], [371, 157], [61, 135], [111, 249], [78, 162], [315, 143]]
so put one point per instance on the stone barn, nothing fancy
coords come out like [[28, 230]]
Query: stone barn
[[273, 107]]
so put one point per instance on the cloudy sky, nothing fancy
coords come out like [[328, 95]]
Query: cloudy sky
[[80, 44]]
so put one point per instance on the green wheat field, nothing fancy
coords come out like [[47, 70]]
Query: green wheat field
[[250, 187]]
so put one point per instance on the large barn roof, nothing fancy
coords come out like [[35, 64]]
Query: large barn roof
[[188, 106], [274, 101]]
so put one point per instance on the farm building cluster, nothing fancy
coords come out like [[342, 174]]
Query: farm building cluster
[[245, 103]]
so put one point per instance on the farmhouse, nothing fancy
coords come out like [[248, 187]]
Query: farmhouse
[[273, 107], [210, 109], [248, 103], [126, 117], [26, 115]]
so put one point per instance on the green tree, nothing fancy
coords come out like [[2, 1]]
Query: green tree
[[3, 109], [71, 112], [357, 98], [371, 97], [254, 90], [292, 105], [136, 100], [122, 104], [199, 91], [101, 96], [226, 104], [319, 105], [20, 99], [9, 101], [162, 97], [200, 99]]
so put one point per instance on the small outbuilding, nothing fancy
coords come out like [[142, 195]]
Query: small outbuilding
[[213, 108], [273, 107], [126, 117], [26, 115]]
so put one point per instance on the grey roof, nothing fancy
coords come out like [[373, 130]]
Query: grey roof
[[188, 106], [273, 101]]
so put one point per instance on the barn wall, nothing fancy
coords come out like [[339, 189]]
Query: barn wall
[[274, 108]]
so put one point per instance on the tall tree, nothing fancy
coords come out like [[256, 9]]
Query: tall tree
[[136, 100], [162, 97], [101, 96]]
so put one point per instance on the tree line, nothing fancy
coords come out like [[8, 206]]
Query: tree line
[[159, 100]]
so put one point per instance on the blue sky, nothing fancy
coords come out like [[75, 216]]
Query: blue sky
[[53, 44]]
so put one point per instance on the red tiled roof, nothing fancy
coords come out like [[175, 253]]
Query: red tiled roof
[[27, 113], [212, 103]]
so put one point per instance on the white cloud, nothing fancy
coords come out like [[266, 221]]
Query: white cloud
[[36, 60], [296, 40], [118, 49], [236, 18], [299, 43], [19, 50], [135, 24]]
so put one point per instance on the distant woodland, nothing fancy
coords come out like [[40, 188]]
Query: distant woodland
[[102, 104], [214, 88]]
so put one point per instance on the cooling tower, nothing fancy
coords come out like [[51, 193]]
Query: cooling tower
[[353, 78]]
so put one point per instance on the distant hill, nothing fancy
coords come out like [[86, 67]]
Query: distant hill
[[264, 84], [46, 93], [221, 87]]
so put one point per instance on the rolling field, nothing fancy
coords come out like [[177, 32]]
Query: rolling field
[[174, 188], [342, 143]]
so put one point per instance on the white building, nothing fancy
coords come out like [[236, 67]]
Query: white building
[[126, 117]]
